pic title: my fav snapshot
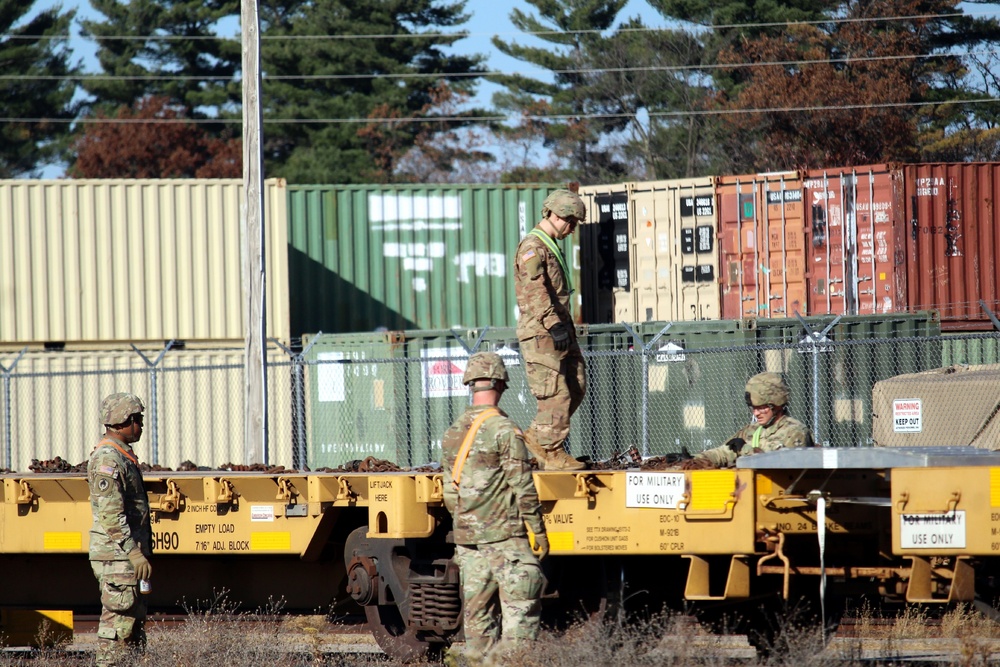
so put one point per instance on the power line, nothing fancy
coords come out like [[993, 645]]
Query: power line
[[498, 118], [489, 73], [534, 33]]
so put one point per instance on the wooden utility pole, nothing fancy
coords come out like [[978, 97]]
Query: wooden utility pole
[[252, 214]]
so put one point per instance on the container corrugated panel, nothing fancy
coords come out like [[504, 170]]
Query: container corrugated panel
[[55, 398], [953, 239], [652, 249], [388, 395], [856, 241], [762, 244], [132, 260], [970, 348], [604, 251], [407, 257], [839, 374]]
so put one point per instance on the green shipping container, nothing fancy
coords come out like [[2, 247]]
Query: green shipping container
[[363, 258]]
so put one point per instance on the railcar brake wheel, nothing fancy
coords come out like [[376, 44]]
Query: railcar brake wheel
[[390, 631]]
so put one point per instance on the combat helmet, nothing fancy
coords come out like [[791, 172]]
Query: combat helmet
[[485, 366], [565, 204], [118, 407], [767, 389]]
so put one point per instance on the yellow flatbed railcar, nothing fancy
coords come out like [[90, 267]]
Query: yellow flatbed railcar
[[900, 524]]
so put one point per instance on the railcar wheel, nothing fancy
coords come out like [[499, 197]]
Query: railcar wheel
[[389, 630]]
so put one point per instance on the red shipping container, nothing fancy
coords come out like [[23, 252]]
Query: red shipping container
[[953, 239], [857, 252], [903, 238], [762, 245]]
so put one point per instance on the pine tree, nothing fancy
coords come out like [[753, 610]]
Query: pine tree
[[41, 96], [571, 27], [165, 48], [329, 65]]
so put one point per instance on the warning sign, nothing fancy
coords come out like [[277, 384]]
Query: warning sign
[[443, 372], [907, 415]]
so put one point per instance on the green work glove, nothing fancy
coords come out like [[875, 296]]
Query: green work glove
[[541, 545], [560, 336], [143, 570]]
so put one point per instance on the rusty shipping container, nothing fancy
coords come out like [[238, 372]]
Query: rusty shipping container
[[904, 238], [653, 249], [857, 262], [87, 261], [762, 245]]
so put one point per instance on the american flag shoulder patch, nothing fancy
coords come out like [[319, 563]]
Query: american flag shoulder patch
[[107, 470], [528, 255]]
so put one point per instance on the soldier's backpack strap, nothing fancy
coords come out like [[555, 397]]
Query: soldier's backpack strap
[[463, 451], [114, 444]]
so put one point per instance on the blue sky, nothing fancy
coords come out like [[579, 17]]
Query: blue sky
[[487, 18]]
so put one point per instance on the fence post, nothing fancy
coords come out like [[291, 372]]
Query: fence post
[[153, 399], [299, 448], [815, 339], [644, 350], [8, 439]]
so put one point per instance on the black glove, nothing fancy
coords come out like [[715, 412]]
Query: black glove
[[736, 445], [560, 337]]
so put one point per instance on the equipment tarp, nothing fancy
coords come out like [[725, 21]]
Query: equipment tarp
[[957, 405]]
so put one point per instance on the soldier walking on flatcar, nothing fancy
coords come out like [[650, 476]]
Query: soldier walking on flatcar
[[489, 490], [772, 427], [557, 374], [120, 538]]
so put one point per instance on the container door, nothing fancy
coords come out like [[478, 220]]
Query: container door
[[783, 286], [737, 205]]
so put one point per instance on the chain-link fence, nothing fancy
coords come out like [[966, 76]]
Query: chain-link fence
[[663, 388]]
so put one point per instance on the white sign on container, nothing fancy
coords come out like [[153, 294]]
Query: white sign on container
[[932, 531], [443, 372], [330, 378], [907, 415], [662, 490]]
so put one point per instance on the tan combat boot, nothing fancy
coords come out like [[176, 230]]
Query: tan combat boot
[[559, 459], [536, 450]]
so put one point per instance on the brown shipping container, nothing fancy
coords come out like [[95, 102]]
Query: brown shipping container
[[856, 251], [952, 239], [762, 245], [655, 247], [904, 238]]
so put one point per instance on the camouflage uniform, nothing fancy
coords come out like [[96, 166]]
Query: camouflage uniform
[[783, 431], [557, 378], [495, 497], [120, 508]]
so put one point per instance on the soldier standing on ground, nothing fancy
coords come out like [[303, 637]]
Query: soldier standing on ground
[[489, 490], [767, 396], [552, 358], [120, 539]]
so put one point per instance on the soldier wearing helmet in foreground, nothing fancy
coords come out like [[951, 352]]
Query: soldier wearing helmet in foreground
[[120, 539], [552, 358], [489, 490], [772, 428]]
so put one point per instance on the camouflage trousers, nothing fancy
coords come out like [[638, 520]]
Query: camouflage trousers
[[501, 588], [558, 381], [121, 632]]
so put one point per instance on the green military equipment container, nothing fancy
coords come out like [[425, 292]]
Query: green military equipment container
[[832, 370]]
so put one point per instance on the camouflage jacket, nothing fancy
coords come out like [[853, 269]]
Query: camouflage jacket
[[541, 289], [496, 494], [118, 501], [784, 432]]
